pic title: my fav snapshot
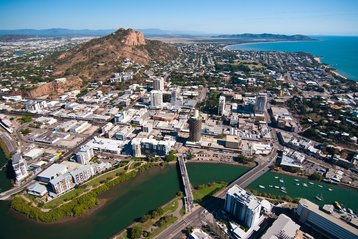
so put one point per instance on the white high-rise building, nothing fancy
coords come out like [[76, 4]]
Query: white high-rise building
[[243, 206], [158, 83], [221, 107], [20, 166], [156, 99], [260, 106]]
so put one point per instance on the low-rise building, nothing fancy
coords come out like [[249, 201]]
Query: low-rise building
[[62, 183], [281, 118], [82, 174], [260, 148], [326, 224], [197, 233], [123, 133], [37, 190], [52, 172], [80, 127], [233, 141], [51, 137], [34, 153], [106, 145], [283, 227]]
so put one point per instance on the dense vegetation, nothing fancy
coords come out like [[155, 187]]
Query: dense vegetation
[[25, 119], [243, 159], [211, 103], [171, 156], [316, 176]]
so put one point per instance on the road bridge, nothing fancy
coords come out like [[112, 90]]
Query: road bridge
[[188, 199]]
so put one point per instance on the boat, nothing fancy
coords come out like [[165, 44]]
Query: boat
[[277, 187], [304, 185], [311, 183], [283, 191], [281, 181], [296, 180], [337, 205], [276, 177], [319, 198], [283, 188], [320, 186], [260, 186], [350, 211], [270, 186], [330, 189], [297, 184]]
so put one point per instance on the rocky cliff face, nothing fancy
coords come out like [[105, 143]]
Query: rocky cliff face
[[53, 89], [134, 38], [98, 58]]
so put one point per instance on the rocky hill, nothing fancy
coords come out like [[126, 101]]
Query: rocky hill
[[98, 58]]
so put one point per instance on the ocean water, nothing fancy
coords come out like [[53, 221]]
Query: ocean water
[[340, 52]]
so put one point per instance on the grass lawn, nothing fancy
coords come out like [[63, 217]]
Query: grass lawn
[[171, 206], [158, 230], [64, 198], [204, 190]]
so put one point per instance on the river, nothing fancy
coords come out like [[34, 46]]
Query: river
[[128, 201]]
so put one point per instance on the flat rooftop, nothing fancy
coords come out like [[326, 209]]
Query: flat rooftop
[[315, 208]]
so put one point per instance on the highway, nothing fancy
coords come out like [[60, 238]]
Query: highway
[[211, 204]]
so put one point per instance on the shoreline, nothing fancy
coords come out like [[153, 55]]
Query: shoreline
[[316, 58], [263, 42], [63, 221]]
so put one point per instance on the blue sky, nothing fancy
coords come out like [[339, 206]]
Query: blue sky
[[312, 17]]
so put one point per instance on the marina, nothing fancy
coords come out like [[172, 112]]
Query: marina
[[295, 187]]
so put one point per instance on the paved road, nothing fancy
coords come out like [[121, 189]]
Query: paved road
[[9, 142], [174, 230]]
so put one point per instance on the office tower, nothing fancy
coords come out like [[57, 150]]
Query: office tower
[[260, 106], [156, 99]]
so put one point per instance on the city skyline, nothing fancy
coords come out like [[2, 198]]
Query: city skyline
[[201, 17]]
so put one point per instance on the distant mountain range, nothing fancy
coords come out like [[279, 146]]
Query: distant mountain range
[[149, 32], [56, 32]]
